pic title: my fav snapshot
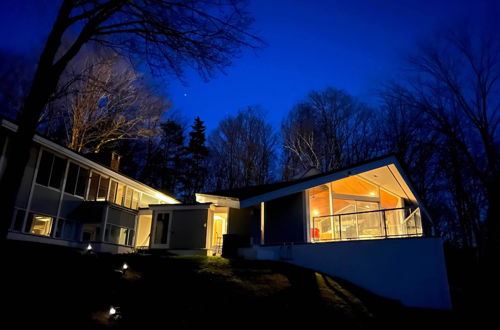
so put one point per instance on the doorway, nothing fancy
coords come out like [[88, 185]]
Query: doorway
[[219, 228]]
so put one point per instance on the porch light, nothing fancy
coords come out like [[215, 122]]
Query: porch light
[[89, 247], [112, 311], [125, 266]]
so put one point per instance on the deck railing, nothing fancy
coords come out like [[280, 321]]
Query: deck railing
[[387, 223]]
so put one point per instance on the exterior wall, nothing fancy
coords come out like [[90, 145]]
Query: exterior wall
[[29, 171], [411, 270], [45, 200], [284, 219], [69, 206], [188, 229], [121, 217], [44, 240], [245, 222], [111, 248]]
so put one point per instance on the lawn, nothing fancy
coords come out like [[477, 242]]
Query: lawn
[[64, 288]]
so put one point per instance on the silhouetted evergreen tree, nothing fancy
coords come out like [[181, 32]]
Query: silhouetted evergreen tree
[[173, 151], [196, 165]]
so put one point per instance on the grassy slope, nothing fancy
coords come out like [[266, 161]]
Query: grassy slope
[[63, 288]]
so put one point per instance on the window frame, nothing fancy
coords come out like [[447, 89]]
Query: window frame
[[87, 179]]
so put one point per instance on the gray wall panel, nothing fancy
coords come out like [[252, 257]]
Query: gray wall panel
[[284, 220], [188, 230]]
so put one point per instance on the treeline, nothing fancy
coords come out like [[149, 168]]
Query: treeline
[[440, 118]]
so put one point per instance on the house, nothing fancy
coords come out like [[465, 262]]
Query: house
[[364, 223], [70, 200]]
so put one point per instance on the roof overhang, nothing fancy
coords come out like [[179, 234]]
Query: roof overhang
[[87, 162], [175, 207], [390, 163]]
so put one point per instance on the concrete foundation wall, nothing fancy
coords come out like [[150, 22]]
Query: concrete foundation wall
[[410, 270]]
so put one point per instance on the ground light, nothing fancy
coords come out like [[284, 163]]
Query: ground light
[[113, 313], [89, 247]]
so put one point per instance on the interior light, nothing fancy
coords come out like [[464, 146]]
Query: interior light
[[372, 193], [315, 212]]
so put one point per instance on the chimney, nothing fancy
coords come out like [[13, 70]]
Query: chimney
[[115, 161]]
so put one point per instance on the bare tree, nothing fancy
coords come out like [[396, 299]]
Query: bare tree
[[454, 82], [109, 102], [242, 150], [168, 35], [329, 130]]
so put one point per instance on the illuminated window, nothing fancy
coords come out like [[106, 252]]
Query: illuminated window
[[354, 208], [39, 225], [120, 192], [135, 200], [128, 198]]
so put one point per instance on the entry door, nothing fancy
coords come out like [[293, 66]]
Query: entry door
[[219, 228], [163, 222]]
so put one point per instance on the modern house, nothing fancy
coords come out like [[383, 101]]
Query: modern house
[[363, 223], [70, 200]]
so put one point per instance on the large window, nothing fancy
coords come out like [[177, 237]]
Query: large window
[[353, 208], [51, 170], [119, 235], [98, 190], [76, 181]]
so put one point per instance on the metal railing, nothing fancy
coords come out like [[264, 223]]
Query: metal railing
[[387, 223]]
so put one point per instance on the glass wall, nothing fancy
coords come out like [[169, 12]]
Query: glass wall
[[353, 208]]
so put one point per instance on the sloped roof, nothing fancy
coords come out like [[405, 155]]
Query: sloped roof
[[247, 196], [84, 159]]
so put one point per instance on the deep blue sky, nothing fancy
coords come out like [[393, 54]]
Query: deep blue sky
[[350, 44]]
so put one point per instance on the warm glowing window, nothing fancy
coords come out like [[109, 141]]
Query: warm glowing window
[[112, 191], [135, 199], [40, 225], [354, 208], [128, 198], [120, 191]]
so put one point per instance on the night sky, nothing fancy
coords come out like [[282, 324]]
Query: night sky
[[347, 44]]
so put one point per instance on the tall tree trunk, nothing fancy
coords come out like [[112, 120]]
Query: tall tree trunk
[[43, 86]]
